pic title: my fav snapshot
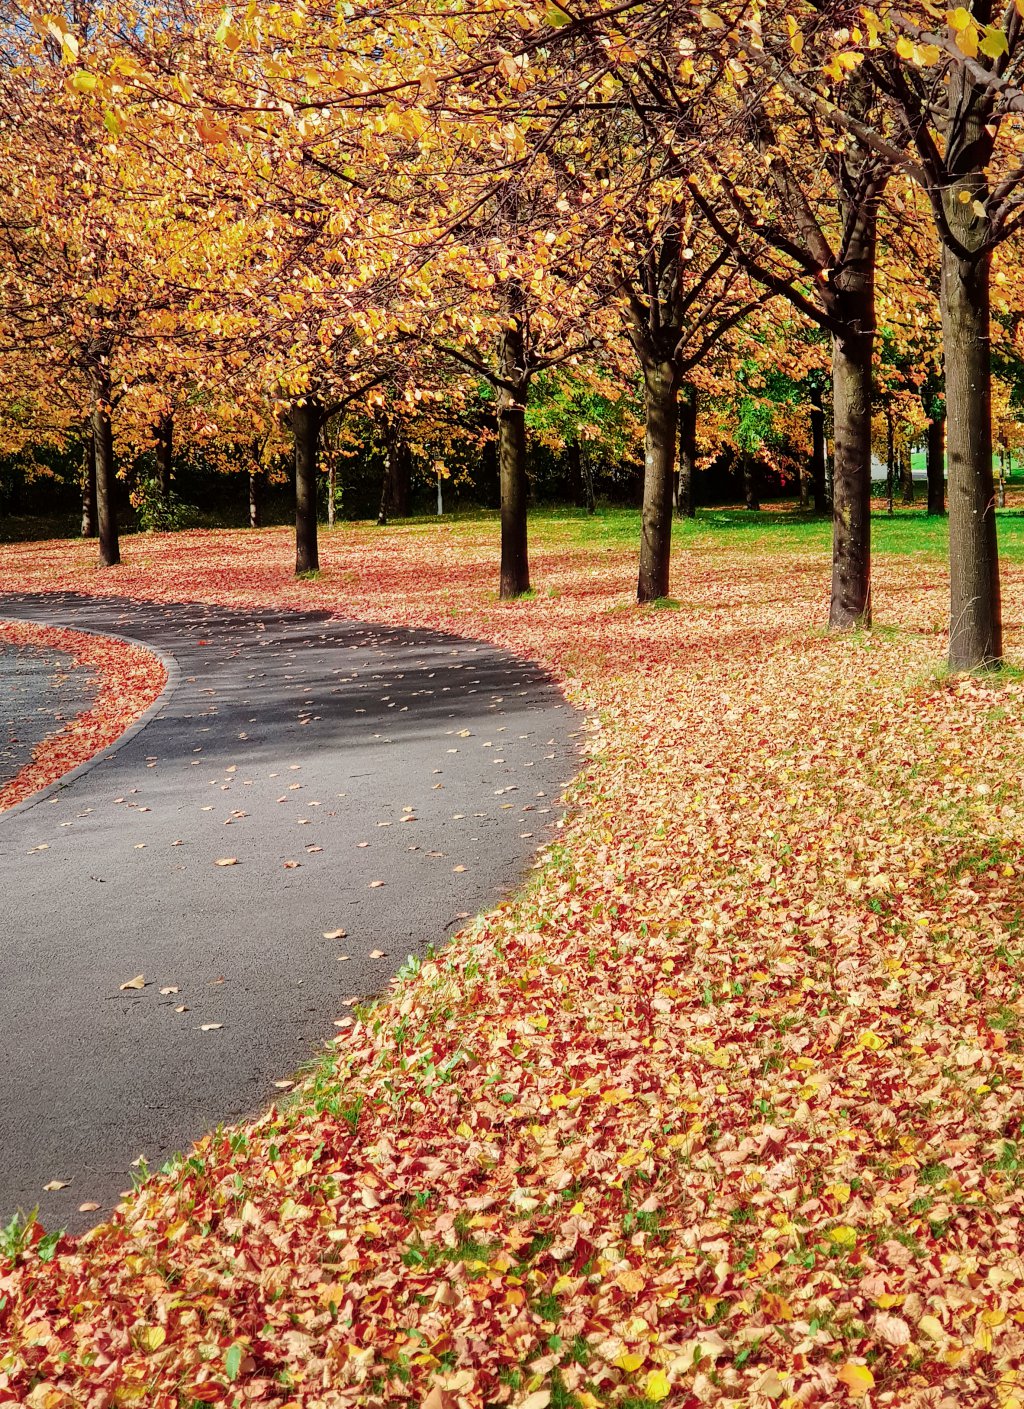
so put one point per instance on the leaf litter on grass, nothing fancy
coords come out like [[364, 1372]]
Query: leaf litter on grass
[[724, 1108]]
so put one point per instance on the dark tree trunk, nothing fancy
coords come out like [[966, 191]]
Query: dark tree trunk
[[515, 562], [819, 469], [851, 474], [906, 475], [890, 461], [937, 465], [165, 455], [394, 496], [106, 480], [975, 617], [89, 490], [587, 468], [306, 417], [687, 450], [751, 497], [386, 488], [575, 455], [255, 498], [661, 390], [401, 478]]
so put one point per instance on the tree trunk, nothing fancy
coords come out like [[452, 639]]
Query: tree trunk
[[687, 450], [937, 465], [1002, 478], [851, 474], [661, 390], [400, 478], [890, 461], [906, 474], [255, 498], [751, 498], [819, 468], [587, 469], [332, 492], [515, 565], [387, 485], [306, 431], [975, 618], [89, 489], [106, 480], [165, 455]]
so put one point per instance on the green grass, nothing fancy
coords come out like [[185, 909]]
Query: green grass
[[779, 529]]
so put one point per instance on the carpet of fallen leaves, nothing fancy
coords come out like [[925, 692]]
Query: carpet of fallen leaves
[[130, 679], [725, 1108]]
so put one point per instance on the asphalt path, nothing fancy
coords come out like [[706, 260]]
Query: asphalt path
[[385, 783], [41, 689]]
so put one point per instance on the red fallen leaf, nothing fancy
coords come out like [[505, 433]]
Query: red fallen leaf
[[207, 1392]]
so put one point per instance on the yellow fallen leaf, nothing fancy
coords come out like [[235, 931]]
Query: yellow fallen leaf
[[227, 861], [858, 1379], [657, 1387], [870, 1040], [932, 1326], [335, 934], [152, 1338], [557, 1102], [138, 981], [843, 1236], [629, 1361]]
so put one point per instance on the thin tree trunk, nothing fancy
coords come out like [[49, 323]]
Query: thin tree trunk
[[687, 450], [890, 461], [1001, 492], [819, 468], [515, 565], [106, 481], [89, 489], [851, 475], [661, 390], [306, 431], [165, 455], [937, 465], [906, 474], [587, 468], [440, 496], [332, 492], [400, 478], [387, 486], [255, 498], [975, 617], [751, 497]]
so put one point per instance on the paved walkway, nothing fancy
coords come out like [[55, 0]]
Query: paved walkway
[[40, 690], [387, 783]]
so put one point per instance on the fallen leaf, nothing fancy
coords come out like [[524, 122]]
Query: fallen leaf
[[227, 861], [137, 982], [858, 1379]]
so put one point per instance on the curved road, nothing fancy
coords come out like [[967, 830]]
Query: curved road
[[40, 690], [363, 754]]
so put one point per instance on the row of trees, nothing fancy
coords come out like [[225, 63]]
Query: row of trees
[[284, 215]]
